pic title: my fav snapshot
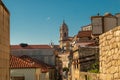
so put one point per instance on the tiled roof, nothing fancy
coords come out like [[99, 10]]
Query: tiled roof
[[16, 62], [27, 62], [31, 47], [93, 44], [84, 34], [29, 59], [85, 43]]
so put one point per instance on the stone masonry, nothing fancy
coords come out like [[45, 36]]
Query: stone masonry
[[110, 55]]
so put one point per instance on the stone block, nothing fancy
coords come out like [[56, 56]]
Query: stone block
[[116, 75], [109, 52], [116, 69], [118, 62], [117, 39], [117, 33], [112, 51], [116, 50], [102, 76], [104, 38], [118, 27], [115, 56], [112, 70], [118, 45], [109, 64], [114, 45], [109, 77], [109, 37]]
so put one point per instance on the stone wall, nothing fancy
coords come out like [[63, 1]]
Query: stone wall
[[88, 76], [110, 55], [4, 42]]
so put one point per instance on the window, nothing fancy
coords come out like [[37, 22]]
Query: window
[[65, 34], [18, 78]]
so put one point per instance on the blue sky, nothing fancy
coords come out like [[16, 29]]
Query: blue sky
[[38, 21]]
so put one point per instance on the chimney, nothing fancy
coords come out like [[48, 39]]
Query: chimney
[[23, 44]]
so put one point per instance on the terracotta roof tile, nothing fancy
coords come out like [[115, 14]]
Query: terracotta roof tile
[[16, 62], [84, 34], [27, 62], [85, 43], [31, 47], [93, 44], [29, 59]]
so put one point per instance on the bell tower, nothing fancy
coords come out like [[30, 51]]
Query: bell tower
[[63, 33]]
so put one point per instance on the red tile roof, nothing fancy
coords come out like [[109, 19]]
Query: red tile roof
[[85, 43], [29, 59], [31, 47], [16, 62], [27, 62], [84, 34], [93, 44]]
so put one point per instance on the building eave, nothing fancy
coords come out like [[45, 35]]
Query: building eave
[[4, 7]]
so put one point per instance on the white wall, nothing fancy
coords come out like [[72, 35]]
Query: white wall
[[44, 76], [29, 74]]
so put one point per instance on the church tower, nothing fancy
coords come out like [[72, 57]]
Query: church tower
[[63, 33]]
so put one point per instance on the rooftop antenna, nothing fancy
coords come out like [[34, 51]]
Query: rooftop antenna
[[98, 14]]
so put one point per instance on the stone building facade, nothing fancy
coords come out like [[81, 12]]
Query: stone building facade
[[4, 42], [110, 55], [101, 24]]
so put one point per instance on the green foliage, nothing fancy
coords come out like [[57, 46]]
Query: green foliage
[[94, 68]]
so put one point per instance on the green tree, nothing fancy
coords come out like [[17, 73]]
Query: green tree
[[94, 68]]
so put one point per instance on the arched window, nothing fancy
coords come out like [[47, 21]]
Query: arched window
[[65, 34]]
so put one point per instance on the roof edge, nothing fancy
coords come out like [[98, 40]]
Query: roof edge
[[4, 6]]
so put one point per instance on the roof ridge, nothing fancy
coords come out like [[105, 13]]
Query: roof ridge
[[31, 47]]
